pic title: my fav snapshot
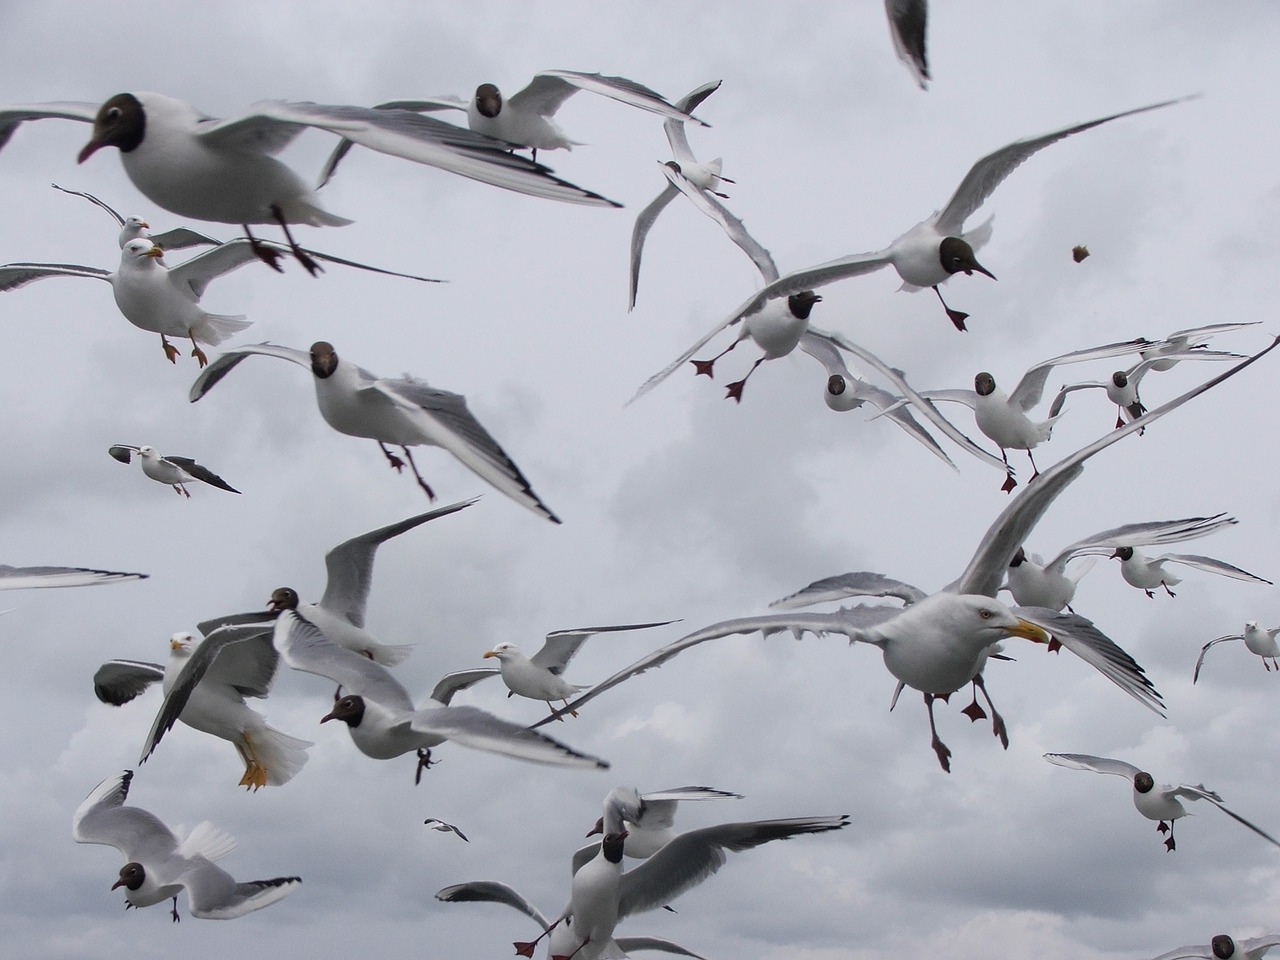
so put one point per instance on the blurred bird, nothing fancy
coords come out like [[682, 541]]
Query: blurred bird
[[908, 20], [1222, 947]]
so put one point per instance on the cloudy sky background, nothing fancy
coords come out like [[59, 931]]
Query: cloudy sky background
[[681, 505]]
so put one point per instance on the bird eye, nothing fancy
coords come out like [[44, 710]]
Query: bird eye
[[113, 113], [985, 614]]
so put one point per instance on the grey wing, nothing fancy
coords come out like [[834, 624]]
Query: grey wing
[[16, 275], [444, 420], [693, 856], [1205, 649], [966, 397], [561, 645], [1142, 535], [182, 238], [195, 274], [212, 894], [819, 275], [1082, 761], [1015, 523], [847, 622], [908, 20], [100, 204], [305, 648], [249, 667], [644, 223], [103, 818], [459, 680], [863, 583], [1200, 793], [1056, 407], [989, 172], [634, 944], [1079, 635], [404, 134], [32, 578], [417, 106], [490, 891], [350, 564], [118, 681], [12, 117], [731, 225], [685, 357], [1030, 389], [201, 473], [547, 92], [675, 128], [225, 362], [688, 793], [481, 730], [1210, 565], [122, 452]]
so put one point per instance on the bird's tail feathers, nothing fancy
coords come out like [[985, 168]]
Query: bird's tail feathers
[[213, 328]]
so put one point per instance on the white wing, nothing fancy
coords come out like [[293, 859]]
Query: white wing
[[1141, 535], [12, 117], [550, 88], [1210, 565], [224, 363], [1205, 649], [1082, 761], [32, 578], [1030, 388]]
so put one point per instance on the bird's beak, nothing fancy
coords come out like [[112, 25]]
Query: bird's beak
[[155, 252], [981, 269], [489, 653], [145, 225], [118, 883], [175, 645], [331, 715], [1029, 631], [89, 149]]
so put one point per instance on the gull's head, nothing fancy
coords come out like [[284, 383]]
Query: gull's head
[[503, 651], [140, 250], [488, 100], [324, 359], [350, 710], [146, 450], [1252, 625], [841, 395], [1223, 947], [132, 229], [984, 384], [1122, 554], [987, 620], [1019, 558], [611, 846], [283, 598], [957, 256], [1120, 379], [121, 122], [1143, 782], [181, 644], [801, 304], [132, 876]]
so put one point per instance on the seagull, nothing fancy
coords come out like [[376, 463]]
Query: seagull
[[444, 827], [937, 248], [602, 894], [651, 824], [160, 864], [1035, 583], [526, 118], [182, 238], [340, 614], [1148, 574], [1167, 352], [562, 941], [907, 22], [216, 705], [939, 642], [405, 411], [698, 181], [540, 677], [1158, 803], [152, 296], [175, 471], [225, 170], [1003, 417], [34, 578], [1222, 947], [1257, 639]]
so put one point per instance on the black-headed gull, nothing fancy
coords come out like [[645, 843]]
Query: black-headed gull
[[152, 296], [160, 864], [1148, 573], [1258, 640], [36, 578], [1223, 947], [908, 20], [562, 941], [403, 411], [943, 639], [937, 248], [225, 169], [1155, 802], [540, 677], [1035, 583], [177, 472], [216, 705], [650, 824]]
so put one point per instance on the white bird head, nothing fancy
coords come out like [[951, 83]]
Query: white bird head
[[139, 250], [503, 651], [181, 644]]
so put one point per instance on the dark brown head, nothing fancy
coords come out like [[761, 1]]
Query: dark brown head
[[488, 100], [984, 384], [283, 598], [1019, 558], [121, 122], [956, 256], [612, 846], [1143, 782], [1120, 379], [836, 384], [801, 304], [1122, 553], [350, 710], [1223, 946], [324, 359], [132, 876]]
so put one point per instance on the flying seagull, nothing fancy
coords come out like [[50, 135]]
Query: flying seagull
[[175, 471]]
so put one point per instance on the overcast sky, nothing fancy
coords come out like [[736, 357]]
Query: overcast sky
[[682, 505]]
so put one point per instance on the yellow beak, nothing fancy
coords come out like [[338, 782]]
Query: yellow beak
[[1030, 631]]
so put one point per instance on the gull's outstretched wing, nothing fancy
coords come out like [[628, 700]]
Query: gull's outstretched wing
[[118, 681], [1082, 761], [200, 472], [1205, 649], [225, 362], [490, 891], [1210, 565], [860, 584], [550, 88], [32, 578], [1030, 389], [1141, 535], [561, 645], [13, 116]]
